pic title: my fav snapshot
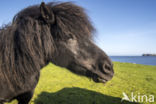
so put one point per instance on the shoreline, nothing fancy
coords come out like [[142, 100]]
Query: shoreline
[[148, 54]]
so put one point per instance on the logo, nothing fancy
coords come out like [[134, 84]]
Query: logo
[[138, 98]]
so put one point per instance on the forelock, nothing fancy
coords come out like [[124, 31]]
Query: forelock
[[70, 19]]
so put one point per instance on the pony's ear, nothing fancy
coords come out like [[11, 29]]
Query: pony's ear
[[46, 13]]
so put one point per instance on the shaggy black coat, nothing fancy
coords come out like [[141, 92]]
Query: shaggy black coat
[[28, 44]]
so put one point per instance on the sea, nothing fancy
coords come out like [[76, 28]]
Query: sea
[[145, 60]]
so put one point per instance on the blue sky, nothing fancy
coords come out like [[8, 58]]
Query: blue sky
[[124, 27]]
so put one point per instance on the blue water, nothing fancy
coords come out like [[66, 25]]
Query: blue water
[[146, 60]]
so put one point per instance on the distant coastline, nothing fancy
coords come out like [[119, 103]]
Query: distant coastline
[[145, 60], [148, 54]]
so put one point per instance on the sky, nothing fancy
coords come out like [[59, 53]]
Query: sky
[[123, 27]]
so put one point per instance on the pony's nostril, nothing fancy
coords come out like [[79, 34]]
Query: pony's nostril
[[105, 68]]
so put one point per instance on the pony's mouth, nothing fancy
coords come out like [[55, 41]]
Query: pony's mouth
[[102, 80], [98, 79], [95, 77], [88, 73]]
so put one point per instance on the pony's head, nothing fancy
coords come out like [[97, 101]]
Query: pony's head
[[70, 32]]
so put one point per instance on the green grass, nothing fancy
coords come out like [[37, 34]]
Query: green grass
[[60, 86]]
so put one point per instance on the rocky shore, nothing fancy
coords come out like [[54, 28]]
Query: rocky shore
[[148, 54]]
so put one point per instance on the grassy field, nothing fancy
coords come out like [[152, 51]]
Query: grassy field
[[60, 86]]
